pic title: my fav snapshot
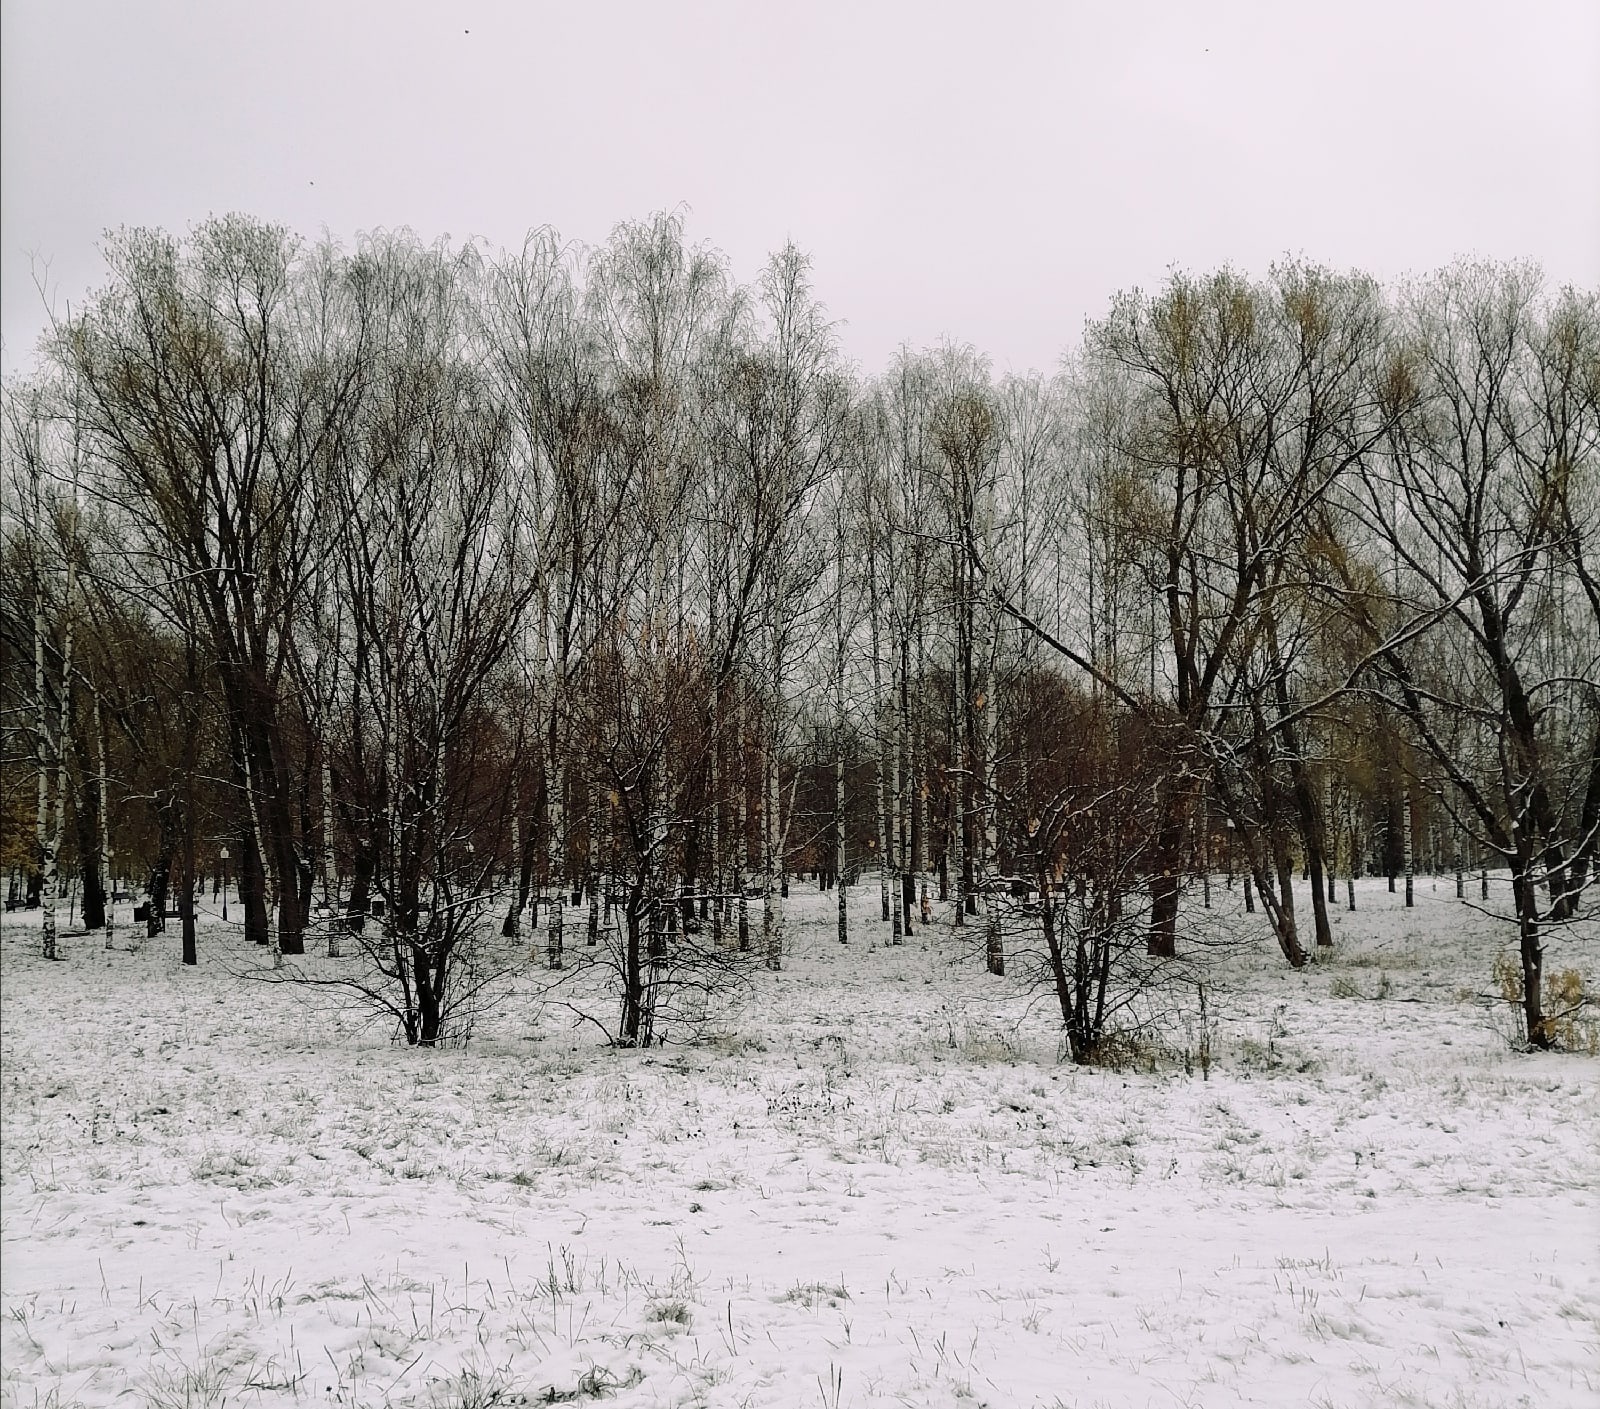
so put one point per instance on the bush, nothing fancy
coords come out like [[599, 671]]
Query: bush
[[1568, 1005]]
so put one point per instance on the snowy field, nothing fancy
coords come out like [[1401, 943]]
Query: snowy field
[[873, 1185]]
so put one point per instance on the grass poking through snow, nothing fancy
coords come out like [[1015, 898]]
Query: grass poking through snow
[[873, 1184]]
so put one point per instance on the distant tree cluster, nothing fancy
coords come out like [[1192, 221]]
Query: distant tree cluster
[[593, 593]]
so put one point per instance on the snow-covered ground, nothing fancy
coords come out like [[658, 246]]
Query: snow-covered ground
[[872, 1185]]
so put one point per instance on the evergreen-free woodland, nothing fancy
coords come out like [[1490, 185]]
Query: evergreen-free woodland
[[415, 593]]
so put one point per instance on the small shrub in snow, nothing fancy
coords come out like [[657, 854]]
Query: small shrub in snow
[[672, 1312], [205, 1385], [1570, 1022], [814, 1294], [987, 1044], [734, 1044], [1345, 987], [472, 1389], [1122, 1051]]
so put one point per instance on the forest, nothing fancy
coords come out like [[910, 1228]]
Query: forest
[[426, 596]]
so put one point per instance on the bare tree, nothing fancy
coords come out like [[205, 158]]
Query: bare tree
[[210, 403], [438, 587], [32, 441], [1493, 444]]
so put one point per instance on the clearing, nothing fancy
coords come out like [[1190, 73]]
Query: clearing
[[872, 1184]]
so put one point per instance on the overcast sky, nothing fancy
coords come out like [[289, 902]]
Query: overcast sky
[[992, 172]]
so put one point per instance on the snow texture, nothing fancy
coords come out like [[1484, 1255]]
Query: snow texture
[[872, 1184]]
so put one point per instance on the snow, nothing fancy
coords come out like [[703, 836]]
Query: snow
[[873, 1185]]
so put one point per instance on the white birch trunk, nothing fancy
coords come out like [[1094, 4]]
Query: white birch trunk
[[988, 743], [838, 833], [920, 744], [905, 864], [772, 903], [840, 646], [988, 731], [43, 751], [713, 866], [53, 755], [596, 881], [741, 846], [958, 780], [330, 889], [63, 743], [772, 838], [884, 859], [513, 920], [107, 882], [896, 886], [1351, 841], [556, 813]]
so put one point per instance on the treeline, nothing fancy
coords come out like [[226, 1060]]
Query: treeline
[[571, 578]]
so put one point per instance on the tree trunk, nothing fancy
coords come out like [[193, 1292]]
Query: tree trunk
[[892, 821], [741, 849], [773, 840], [270, 876], [330, 887], [49, 886], [714, 867], [103, 809], [1058, 965], [361, 866], [1530, 951], [555, 937], [429, 1017], [47, 755], [555, 798], [1353, 847], [919, 744], [289, 872], [186, 915], [884, 842], [989, 731], [520, 858], [596, 881], [156, 912], [91, 860], [1284, 919], [838, 832], [1405, 824], [252, 893], [958, 789], [905, 795], [1319, 897], [632, 971], [1311, 835], [1165, 886], [1273, 866]]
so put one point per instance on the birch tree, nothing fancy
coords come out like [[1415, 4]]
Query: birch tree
[[32, 442], [967, 431]]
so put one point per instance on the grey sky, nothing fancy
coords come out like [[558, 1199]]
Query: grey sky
[[993, 172]]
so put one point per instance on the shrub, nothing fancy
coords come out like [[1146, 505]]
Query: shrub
[[1568, 1005]]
